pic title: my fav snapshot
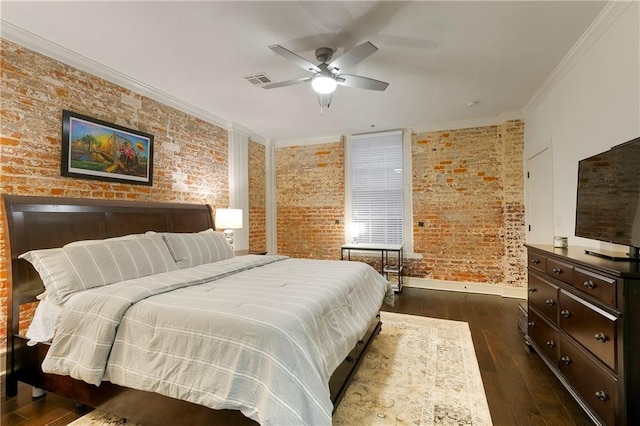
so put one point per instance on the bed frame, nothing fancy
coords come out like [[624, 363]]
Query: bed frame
[[45, 222]]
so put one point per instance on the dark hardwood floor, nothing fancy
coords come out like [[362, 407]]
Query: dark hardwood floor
[[519, 388]]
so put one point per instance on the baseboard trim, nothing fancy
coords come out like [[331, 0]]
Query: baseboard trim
[[467, 287]]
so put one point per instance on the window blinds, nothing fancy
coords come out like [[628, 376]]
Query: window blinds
[[377, 187]]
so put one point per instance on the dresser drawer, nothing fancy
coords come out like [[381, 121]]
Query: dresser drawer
[[543, 334], [560, 270], [594, 383], [594, 328], [601, 287], [544, 296], [537, 261]]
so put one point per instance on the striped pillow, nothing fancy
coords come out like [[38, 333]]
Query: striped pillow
[[114, 261], [193, 249], [54, 270], [73, 268]]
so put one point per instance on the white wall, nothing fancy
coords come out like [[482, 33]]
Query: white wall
[[588, 106]]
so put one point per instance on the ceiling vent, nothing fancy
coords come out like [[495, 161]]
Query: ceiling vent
[[259, 79]]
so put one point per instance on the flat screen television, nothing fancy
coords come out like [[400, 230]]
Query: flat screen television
[[608, 199]]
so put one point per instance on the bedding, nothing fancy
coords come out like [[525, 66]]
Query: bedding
[[43, 324], [72, 268], [259, 334], [193, 249]]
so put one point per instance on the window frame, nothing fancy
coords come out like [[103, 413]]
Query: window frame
[[407, 176]]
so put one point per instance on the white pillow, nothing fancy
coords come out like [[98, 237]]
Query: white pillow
[[43, 325], [193, 249]]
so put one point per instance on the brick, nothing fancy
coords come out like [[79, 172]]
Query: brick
[[36, 88]]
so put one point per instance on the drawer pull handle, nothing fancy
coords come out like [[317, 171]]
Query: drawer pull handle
[[600, 337], [531, 324], [550, 302], [565, 313], [566, 360], [589, 284], [557, 271], [551, 344], [535, 261], [532, 290], [601, 396]]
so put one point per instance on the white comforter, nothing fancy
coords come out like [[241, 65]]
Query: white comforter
[[259, 334]]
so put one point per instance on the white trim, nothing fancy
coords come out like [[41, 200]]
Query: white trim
[[310, 141], [407, 176], [271, 212], [467, 287], [46, 47], [238, 158], [407, 189], [607, 17], [466, 124], [357, 136], [258, 139], [239, 129], [347, 189], [420, 128]]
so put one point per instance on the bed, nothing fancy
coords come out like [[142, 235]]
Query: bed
[[181, 334]]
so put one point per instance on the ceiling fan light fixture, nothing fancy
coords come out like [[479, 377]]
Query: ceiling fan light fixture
[[324, 84]]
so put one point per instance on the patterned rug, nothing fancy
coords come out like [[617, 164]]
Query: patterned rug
[[418, 371]]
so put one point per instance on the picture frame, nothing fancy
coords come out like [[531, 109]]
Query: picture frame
[[95, 149]]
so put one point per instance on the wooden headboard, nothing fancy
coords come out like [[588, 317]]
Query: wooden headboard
[[46, 222]]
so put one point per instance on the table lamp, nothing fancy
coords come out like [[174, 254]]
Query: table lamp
[[229, 219]]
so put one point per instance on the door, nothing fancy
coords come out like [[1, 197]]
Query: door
[[539, 208]]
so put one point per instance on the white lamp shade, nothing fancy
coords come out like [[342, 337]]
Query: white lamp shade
[[228, 218], [323, 84]]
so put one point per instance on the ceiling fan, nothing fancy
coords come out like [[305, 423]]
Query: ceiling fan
[[327, 76]]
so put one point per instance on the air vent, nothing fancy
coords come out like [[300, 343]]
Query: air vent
[[259, 79]]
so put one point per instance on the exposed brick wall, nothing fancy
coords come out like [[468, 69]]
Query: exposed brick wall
[[468, 192], [257, 197], [512, 133], [190, 155], [310, 200]]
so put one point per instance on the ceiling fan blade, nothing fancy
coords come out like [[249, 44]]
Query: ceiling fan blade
[[350, 80], [286, 83], [353, 56], [296, 59]]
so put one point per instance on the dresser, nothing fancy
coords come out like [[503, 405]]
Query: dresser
[[584, 322]]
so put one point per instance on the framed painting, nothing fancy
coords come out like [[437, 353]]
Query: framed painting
[[94, 149]]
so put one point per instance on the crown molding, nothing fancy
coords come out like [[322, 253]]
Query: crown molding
[[449, 125], [237, 127], [48, 48], [465, 124], [310, 141], [607, 17]]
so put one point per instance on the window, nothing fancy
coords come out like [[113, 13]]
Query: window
[[375, 188]]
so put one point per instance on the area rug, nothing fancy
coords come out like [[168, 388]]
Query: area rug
[[418, 371]]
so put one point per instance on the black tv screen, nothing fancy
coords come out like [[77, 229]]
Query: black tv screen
[[608, 203]]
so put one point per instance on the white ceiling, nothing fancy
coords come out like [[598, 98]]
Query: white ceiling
[[437, 56]]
